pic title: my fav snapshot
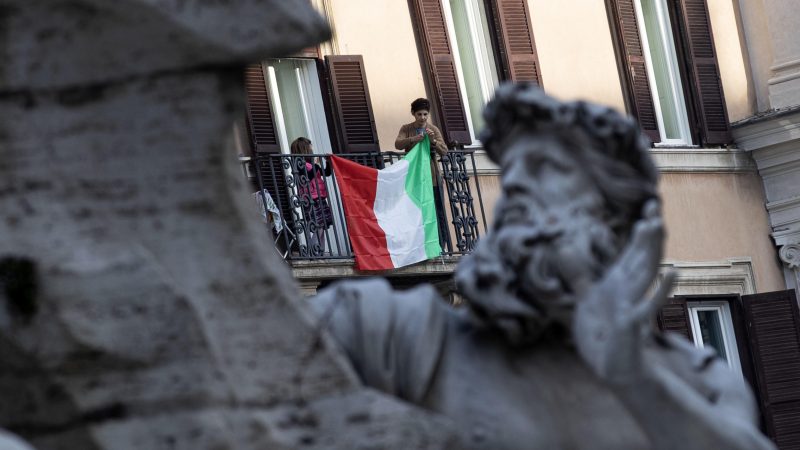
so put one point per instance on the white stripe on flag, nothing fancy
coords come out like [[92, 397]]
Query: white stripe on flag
[[399, 217]]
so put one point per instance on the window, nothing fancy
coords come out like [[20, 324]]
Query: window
[[469, 47], [663, 72], [472, 47], [712, 326], [669, 70], [758, 335], [296, 101]]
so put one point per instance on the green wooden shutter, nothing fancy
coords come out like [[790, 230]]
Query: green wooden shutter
[[706, 83], [518, 48], [634, 71], [773, 328], [442, 71]]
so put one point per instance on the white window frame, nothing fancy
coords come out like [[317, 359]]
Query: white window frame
[[674, 74], [481, 48], [723, 309], [313, 109]]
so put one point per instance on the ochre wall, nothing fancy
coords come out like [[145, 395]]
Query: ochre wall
[[573, 39], [576, 52], [711, 217], [381, 31], [730, 46]]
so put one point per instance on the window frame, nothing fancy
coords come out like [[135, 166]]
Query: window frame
[[515, 58], [311, 104], [486, 61], [675, 72], [697, 63], [723, 308]]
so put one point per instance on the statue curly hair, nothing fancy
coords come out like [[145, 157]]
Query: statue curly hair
[[515, 280]]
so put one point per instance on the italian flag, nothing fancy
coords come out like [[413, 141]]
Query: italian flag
[[391, 215]]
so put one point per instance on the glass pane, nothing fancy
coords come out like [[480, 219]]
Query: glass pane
[[711, 332], [469, 63], [663, 59], [291, 102]]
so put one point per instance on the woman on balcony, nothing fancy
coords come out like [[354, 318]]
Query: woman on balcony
[[412, 133], [313, 195]]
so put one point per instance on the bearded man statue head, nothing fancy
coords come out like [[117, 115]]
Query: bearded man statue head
[[575, 179]]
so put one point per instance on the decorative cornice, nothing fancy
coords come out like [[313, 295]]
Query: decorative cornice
[[732, 276]]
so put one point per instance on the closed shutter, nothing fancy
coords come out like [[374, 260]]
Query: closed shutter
[[773, 327], [518, 49], [442, 70], [640, 101], [707, 85], [260, 123], [674, 317], [356, 123]]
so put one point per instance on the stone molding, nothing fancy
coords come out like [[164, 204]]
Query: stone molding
[[774, 128], [784, 217], [668, 160], [702, 160], [308, 272], [730, 276]]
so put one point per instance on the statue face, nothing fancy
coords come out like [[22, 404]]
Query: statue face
[[550, 222], [543, 185]]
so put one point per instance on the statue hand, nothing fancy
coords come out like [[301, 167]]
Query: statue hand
[[613, 315]]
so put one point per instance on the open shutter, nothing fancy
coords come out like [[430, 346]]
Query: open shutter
[[640, 101], [518, 49], [260, 124], [773, 327], [442, 69], [707, 85], [356, 123], [674, 317]]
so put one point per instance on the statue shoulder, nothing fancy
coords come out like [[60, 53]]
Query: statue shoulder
[[393, 338]]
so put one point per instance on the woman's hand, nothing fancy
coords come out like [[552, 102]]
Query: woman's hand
[[416, 138]]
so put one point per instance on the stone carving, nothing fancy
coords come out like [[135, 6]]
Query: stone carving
[[140, 305], [556, 347], [790, 255]]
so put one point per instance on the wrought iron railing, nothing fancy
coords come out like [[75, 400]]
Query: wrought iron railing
[[307, 195]]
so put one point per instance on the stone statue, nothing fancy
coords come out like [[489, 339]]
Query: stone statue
[[556, 347], [140, 305]]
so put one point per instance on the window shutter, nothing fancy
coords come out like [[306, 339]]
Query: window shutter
[[773, 328], [674, 317], [623, 14], [260, 124], [442, 69], [710, 103], [518, 49], [356, 123]]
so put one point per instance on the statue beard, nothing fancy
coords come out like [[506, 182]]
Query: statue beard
[[526, 277]]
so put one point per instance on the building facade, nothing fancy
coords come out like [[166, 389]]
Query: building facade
[[715, 84]]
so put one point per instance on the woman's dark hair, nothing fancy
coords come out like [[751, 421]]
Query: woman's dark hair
[[420, 104], [301, 146]]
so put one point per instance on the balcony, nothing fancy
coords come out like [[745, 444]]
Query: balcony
[[304, 238]]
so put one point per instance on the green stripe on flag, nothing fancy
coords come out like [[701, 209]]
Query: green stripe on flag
[[419, 186]]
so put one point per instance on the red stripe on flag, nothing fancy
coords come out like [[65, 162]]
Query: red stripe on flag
[[358, 185]]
